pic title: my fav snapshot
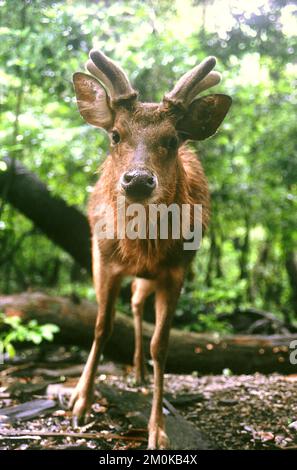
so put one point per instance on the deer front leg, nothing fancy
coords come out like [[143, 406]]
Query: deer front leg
[[107, 287], [141, 289], [167, 293]]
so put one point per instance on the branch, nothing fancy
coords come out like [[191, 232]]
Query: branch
[[63, 224]]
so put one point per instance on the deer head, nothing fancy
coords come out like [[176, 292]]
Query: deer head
[[146, 137]]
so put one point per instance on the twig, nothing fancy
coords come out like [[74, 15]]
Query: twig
[[170, 407], [76, 435], [287, 448], [17, 368]]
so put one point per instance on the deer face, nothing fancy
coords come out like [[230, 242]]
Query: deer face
[[144, 148], [145, 137]]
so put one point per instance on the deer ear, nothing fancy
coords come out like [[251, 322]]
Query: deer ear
[[92, 101], [204, 116]]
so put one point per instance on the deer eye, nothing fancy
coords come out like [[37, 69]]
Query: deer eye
[[170, 143], [115, 137]]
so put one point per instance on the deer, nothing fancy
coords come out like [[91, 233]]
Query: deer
[[149, 160]]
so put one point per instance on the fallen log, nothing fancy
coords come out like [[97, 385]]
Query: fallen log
[[188, 352]]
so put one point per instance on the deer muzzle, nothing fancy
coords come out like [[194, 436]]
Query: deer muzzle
[[138, 183]]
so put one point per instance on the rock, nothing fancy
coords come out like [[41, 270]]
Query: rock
[[227, 402], [293, 426]]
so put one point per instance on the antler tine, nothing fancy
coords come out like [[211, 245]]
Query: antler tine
[[212, 79], [193, 82], [111, 75]]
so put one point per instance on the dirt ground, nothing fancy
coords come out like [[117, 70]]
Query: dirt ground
[[232, 412]]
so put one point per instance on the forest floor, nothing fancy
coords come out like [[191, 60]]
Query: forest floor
[[228, 411]]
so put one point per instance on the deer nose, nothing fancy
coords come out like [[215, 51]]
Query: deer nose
[[138, 183]]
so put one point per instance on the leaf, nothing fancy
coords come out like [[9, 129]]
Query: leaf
[[10, 350]]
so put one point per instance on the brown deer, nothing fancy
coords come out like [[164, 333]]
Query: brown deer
[[148, 162]]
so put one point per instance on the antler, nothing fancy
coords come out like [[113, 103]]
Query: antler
[[198, 79], [111, 75]]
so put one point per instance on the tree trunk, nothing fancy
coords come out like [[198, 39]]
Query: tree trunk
[[291, 267], [205, 353], [244, 259], [65, 225]]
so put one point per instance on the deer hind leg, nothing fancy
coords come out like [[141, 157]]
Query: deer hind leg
[[141, 289], [167, 293], [107, 284]]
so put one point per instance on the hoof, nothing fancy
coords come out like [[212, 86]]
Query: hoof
[[140, 379], [158, 438], [80, 404]]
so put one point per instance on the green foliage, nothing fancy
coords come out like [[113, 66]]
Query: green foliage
[[13, 330], [200, 308], [251, 164]]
